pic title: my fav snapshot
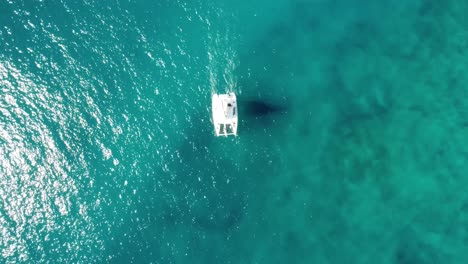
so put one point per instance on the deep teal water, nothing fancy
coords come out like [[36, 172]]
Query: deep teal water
[[107, 152]]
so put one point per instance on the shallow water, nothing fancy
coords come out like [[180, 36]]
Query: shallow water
[[107, 153]]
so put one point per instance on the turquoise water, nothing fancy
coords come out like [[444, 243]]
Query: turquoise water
[[107, 152]]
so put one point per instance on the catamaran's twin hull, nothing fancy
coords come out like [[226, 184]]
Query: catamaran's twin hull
[[224, 107]]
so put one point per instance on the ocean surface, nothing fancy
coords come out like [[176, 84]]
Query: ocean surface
[[357, 153]]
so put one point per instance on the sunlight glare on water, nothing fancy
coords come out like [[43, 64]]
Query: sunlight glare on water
[[39, 198]]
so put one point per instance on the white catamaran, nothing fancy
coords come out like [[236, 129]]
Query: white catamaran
[[224, 107]]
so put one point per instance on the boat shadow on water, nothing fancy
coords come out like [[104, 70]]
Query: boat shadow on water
[[255, 113]]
